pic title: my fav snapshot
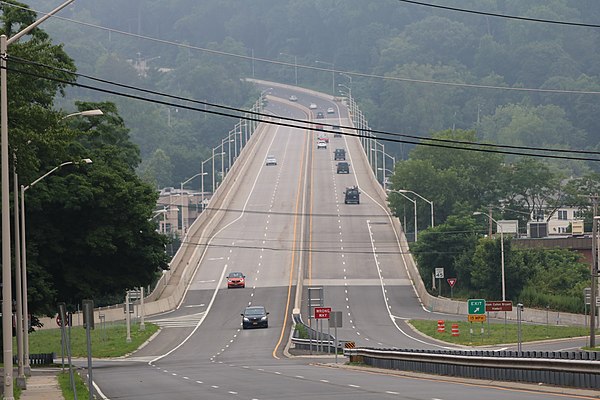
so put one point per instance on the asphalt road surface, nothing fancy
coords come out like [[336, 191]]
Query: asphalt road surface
[[287, 218]]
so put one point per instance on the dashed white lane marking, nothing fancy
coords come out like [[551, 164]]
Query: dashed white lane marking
[[354, 386], [324, 380], [200, 382], [390, 392]]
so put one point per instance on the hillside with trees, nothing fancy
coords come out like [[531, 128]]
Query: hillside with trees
[[201, 50]]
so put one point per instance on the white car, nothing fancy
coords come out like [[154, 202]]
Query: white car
[[312, 106], [271, 160], [330, 110], [321, 145], [293, 98]]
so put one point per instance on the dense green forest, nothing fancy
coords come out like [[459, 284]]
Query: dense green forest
[[201, 50]]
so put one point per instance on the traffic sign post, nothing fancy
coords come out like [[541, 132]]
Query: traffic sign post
[[322, 312], [491, 306], [315, 299], [477, 318], [335, 320], [476, 306], [451, 282], [439, 275]]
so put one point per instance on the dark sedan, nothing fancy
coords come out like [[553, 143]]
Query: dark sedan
[[255, 317]]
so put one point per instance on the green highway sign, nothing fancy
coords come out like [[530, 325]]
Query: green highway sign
[[476, 306]]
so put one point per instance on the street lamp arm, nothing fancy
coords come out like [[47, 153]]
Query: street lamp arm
[[36, 23], [85, 161], [416, 194], [198, 174], [86, 113]]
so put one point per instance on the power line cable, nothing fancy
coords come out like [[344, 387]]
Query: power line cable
[[446, 143], [464, 10], [310, 67]]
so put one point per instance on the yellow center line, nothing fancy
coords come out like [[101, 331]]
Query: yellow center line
[[294, 246]]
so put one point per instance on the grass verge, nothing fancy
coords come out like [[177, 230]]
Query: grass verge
[[65, 385], [107, 341], [495, 333]]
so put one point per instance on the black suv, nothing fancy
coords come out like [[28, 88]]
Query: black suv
[[343, 168], [352, 195], [339, 154]]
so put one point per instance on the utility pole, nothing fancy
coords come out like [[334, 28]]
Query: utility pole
[[594, 271]]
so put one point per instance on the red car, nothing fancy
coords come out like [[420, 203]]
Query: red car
[[322, 138], [236, 279]]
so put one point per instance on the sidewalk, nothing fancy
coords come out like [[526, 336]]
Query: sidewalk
[[43, 385]]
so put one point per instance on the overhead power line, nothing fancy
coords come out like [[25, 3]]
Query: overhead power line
[[310, 67], [464, 10], [302, 124]]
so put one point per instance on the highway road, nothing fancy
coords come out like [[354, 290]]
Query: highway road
[[286, 220]]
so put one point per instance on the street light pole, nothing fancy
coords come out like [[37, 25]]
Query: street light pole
[[385, 177], [422, 198], [415, 208], [5, 192], [182, 206], [594, 277], [501, 249], [206, 173], [24, 256]]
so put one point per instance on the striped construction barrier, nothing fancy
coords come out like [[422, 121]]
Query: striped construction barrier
[[441, 326]]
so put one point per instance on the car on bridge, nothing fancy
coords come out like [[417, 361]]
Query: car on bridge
[[320, 115], [343, 167], [336, 131], [339, 154], [352, 195], [255, 317], [236, 280], [312, 106], [330, 110], [271, 160], [293, 98], [321, 145]]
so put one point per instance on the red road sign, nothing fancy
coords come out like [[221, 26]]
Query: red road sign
[[322, 312], [451, 281], [498, 306]]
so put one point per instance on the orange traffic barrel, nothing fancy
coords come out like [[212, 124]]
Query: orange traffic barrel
[[441, 326], [455, 331]]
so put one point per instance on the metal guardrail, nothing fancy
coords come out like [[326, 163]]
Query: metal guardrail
[[569, 369]]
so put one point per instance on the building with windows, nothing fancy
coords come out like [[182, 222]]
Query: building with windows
[[559, 221], [177, 209]]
